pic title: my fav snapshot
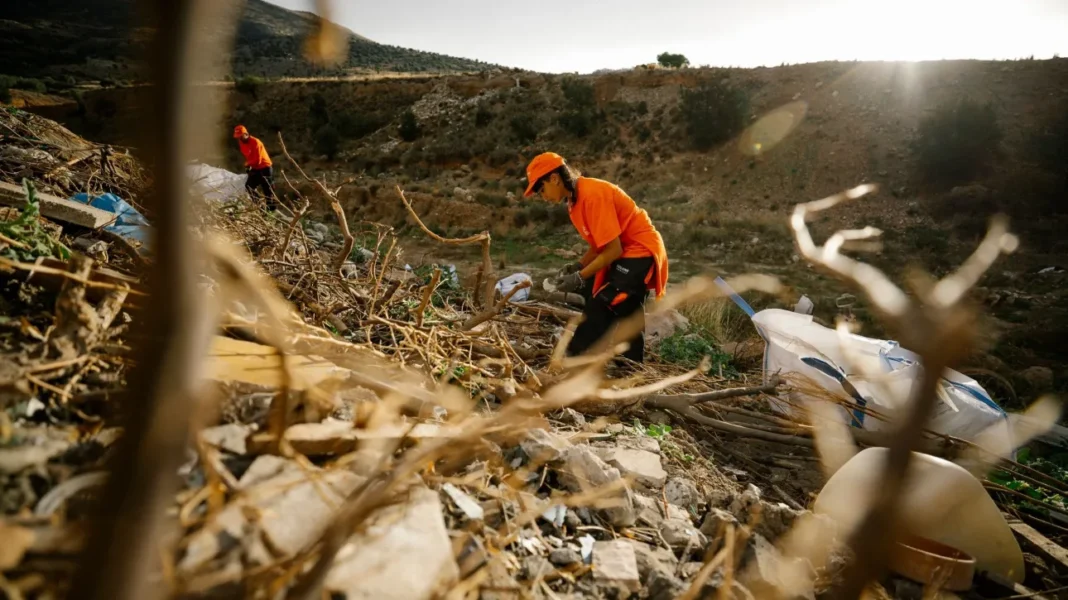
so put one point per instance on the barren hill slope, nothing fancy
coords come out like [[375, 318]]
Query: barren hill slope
[[98, 40]]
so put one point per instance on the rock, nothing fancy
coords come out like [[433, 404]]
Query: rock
[[471, 509], [405, 554], [500, 584], [651, 511], [535, 567], [1039, 379], [775, 518], [682, 535], [582, 470], [227, 437], [970, 192], [564, 556], [665, 586], [615, 564], [659, 417], [682, 492], [571, 417], [652, 559], [659, 326], [775, 576], [294, 507], [640, 442], [642, 465], [715, 522], [542, 446]]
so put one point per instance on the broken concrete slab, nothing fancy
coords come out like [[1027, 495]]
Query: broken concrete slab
[[641, 442], [642, 465], [542, 446], [405, 554], [583, 470], [565, 556], [60, 209], [615, 564], [716, 521]]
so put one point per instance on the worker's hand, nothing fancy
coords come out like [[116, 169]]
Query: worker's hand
[[572, 282], [570, 268]]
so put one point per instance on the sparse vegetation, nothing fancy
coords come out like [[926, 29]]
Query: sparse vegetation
[[713, 112], [327, 141], [524, 128], [409, 126], [957, 141], [249, 84]]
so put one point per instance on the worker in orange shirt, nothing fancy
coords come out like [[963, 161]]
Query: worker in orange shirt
[[257, 165], [626, 256]]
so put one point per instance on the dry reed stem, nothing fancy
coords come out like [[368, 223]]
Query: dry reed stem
[[297, 216], [335, 205]]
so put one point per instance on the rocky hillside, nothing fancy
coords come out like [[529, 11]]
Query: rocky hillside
[[61, 43], [719, 185]]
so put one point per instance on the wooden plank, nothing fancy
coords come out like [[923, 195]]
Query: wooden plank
[[1034, 540], [59, 209]]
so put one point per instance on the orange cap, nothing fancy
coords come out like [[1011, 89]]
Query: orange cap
[[542, 165], [240, 131]]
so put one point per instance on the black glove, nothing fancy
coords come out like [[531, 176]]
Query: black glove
[[572, 282], [570, 268]]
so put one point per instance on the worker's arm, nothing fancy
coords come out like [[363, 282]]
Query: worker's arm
[[589, 256], [611, 251]]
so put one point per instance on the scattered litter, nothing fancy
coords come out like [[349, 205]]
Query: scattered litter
[[586, 547], [555, 515], [215, 184], [796, 345], [511, 282], [126, 221]]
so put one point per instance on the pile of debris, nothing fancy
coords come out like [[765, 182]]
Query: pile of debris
[[372, 431]]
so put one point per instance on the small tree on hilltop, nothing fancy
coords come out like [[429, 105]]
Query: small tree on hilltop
[[958, 140], [714, 111], [672, 61]]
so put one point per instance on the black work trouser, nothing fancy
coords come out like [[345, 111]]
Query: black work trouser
[[263, 179], [623, 294]]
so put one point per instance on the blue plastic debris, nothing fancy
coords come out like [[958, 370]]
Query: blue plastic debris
[[129, 223]]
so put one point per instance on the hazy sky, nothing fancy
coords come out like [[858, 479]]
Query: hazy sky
[[580, 36]]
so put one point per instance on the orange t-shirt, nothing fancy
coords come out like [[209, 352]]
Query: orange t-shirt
[[255, 154], [602, 212]]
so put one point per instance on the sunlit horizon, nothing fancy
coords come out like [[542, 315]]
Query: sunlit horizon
[[585, 37]]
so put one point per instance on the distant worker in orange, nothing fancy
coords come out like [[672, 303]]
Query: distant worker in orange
[[257, 165], [626, 256]]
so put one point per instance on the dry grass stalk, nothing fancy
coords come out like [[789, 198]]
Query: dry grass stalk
[[428, 292], [486, 315]]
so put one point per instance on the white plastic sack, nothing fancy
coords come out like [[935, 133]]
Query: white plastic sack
[[215, 184], [794, 343], [508, 283]]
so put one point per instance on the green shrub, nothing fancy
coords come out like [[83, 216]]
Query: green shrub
[[5, 94], [30, 85], [248, 84], [577, 123], [673, 61], [957, 141], [327, 141], [483, 116], [578, 93], [1051, 147], [409, 126], [688, 349], [524, 128], [713, 111], [357, 125]]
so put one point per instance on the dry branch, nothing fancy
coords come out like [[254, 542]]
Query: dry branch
[[335, 205], [486, 315], [486, 270], [297, 216], [428, 291]]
